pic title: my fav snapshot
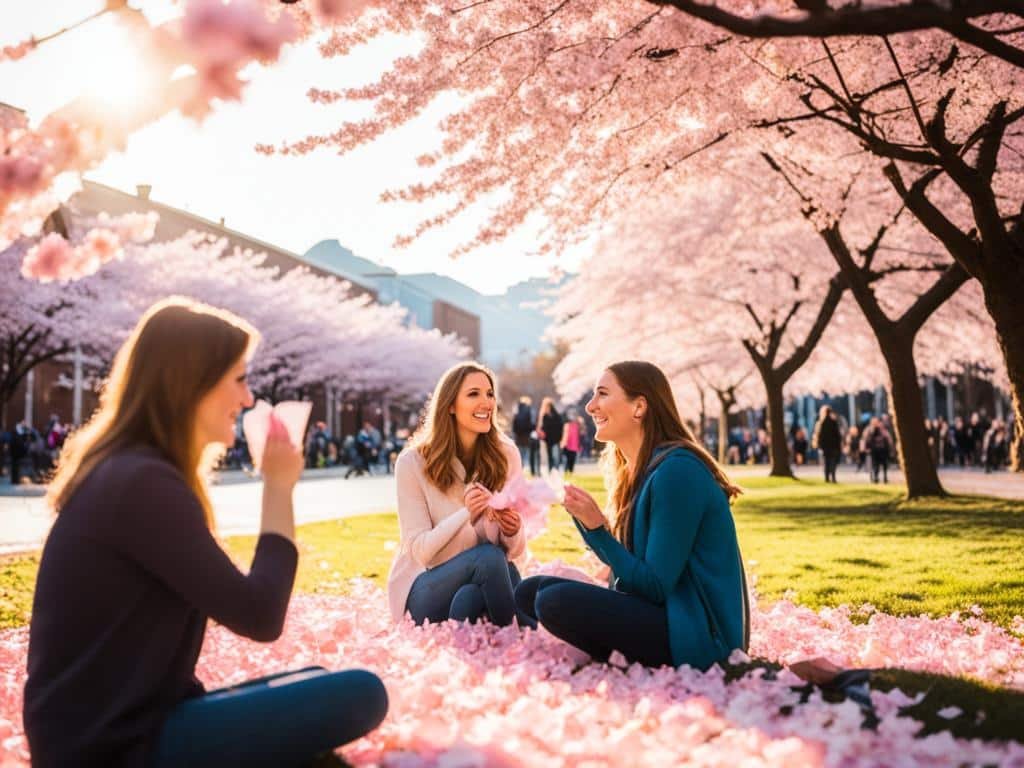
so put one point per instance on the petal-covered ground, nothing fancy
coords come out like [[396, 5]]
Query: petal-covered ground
[[465, 696]]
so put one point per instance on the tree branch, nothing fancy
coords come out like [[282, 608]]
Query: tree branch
[[868, 19], [929, 301]]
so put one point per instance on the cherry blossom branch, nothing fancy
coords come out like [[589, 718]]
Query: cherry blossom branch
[[865, 19], [962, 246], [826, 309], [925, 305], [906, 87], [529, 28]]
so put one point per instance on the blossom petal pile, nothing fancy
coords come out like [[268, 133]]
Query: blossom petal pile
[[474, 695]]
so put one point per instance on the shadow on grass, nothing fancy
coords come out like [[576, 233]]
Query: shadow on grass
[[883, 511], [987, 712]]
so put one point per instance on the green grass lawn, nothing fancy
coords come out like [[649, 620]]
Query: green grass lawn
[[828, 544]]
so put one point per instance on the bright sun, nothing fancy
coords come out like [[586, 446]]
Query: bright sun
[[119, 76]]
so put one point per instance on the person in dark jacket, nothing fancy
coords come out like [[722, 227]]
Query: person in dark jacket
[[877, 442], [550, 426], [522, 426], [131, 573], [829, 440]]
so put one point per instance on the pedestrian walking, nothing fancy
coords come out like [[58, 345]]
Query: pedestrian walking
[[800, 446], [878, 444], [828, 440], [550, 427], [571, 442], [522, 426]]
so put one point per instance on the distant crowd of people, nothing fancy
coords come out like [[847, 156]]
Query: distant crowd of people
[[547, 438], [565, 437], [973, 442], [30, 455], [366, 452]]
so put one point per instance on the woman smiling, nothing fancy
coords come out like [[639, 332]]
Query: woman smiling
[[454, 558], [678, 593]]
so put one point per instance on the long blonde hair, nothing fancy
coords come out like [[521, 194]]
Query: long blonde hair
[[662, 429], [177, 353], [438, 439]]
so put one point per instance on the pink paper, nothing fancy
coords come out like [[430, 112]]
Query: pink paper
[[256, 424]]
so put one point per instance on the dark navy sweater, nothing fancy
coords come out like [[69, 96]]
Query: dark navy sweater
[[129, 576]]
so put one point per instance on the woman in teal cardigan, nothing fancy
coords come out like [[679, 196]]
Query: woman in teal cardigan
[[677, 589]]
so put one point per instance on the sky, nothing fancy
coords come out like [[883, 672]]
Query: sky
[[211, 169]]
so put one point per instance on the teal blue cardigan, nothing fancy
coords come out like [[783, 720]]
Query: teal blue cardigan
[[685, 556]]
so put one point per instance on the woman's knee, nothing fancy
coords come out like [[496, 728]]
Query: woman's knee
[[491, 559], [552, 604], [356, 700]]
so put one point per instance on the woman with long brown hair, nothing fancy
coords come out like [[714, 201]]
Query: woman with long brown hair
[[131, 573], [454, 557], [678, 593]]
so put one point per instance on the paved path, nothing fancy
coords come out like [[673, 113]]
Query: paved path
[[320, 495], [326, 495], [1005, 485]]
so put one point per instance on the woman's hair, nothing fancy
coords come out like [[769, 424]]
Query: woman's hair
[[438, 439], [662, 429], [177, 353]]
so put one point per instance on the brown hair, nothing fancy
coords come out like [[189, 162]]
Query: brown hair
[[438, 440], [662, 429], [177, 353]]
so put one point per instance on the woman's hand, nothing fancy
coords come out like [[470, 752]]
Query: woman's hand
[[477, 500], [582, 506], [509, 521], [281, 463]]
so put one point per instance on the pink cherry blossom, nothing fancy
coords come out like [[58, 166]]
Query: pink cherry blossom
[[17, 51], [48, 260], [20, 174], [464, 695], [532, 499], [334, 11], [227, 34]]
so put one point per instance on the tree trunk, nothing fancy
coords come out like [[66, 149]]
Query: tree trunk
[[725, 402], [1003, 301], [919, 472], [776, 424]]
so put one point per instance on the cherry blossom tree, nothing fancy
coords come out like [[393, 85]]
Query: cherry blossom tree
[[736, 268], [941, 126], [598, 326], [41, 165], [571, 111], [727, 266], [993, 26], [315, 331], [40, 322]]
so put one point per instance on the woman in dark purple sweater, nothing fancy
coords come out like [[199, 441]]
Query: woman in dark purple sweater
[[131, 572]]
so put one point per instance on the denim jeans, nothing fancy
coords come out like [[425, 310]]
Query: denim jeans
[[524, 455], [598, 620], [283, 720], [476, 583]]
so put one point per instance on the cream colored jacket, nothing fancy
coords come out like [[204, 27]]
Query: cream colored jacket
[[435, 525]]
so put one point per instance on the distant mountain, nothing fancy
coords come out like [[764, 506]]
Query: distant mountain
[[333, 256]]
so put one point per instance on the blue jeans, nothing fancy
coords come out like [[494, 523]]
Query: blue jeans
[[476, 583], [282, 720]]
